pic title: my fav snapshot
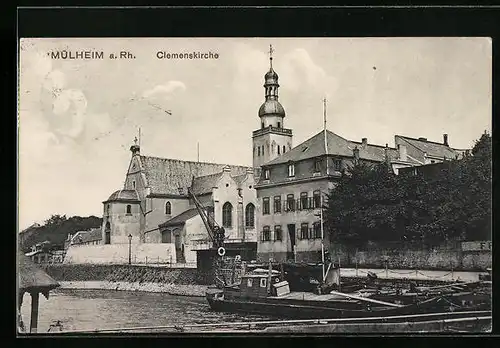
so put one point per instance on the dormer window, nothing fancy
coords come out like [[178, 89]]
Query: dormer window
[[291, 170], [267, 174]]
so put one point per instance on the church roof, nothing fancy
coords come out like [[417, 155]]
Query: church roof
[[124, 195], [315, 146], [431, 148], [205, 184], [166, 176]]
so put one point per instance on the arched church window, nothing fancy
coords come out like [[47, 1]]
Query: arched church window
[[279, 124], [227, 214], [250, 215], [278, 149], [129, 209], [262, 125], [168, 208], [283, 148], [258, 151]]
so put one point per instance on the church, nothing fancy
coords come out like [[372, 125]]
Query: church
[[270, 208]]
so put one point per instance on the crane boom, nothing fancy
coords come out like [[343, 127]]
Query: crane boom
[[215, 232]]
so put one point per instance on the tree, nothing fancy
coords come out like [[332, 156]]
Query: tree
[[371, 203]]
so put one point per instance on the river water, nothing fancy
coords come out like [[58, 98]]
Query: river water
[[105, 309]]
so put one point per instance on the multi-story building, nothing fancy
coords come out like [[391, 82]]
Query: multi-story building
[[294, 181]]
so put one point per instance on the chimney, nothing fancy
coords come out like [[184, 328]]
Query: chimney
[[403, 154], [355, 152], [364, 142], [445, 139]]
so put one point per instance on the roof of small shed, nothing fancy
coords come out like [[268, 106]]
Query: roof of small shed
[[32, 278]]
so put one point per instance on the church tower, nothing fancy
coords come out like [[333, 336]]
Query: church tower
[[272, 139]]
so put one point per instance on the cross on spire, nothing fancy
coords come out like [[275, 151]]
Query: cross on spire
[[135, 140], [271, 50]]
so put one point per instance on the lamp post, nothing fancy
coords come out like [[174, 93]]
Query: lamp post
[[129, 249]]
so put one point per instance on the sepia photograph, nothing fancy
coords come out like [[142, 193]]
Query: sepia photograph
[[254, 185]]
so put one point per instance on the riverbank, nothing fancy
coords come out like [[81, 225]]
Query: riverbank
[[171, 289]]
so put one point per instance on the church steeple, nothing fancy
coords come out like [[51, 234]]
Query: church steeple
[[272, 139], [271, 112], [271, 79]]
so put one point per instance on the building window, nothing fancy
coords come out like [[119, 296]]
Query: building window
[[249, 282], [107, 233], [262, 150], [277, 204], [263, 282], [290, 202], [432, 161], [279, 124], [258, 151], [278, 149], [283, 148], [304, 231], [129, 209], [265, 206], [278, 235], [303, 200], [317, 230], [168, 208], [337, 164], [227, 215], [267, 174], [291, 169], [250, 215], [317, 199], [317, 166], [266, 234]]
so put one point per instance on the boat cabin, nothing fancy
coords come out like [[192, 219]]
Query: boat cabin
[[257, 285]]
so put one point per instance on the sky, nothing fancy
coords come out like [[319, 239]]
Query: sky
[[78, 118]]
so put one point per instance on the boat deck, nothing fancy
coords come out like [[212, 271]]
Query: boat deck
[[309, 296]]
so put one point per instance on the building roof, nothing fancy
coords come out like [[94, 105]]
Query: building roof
[[205, 184], [87, 236], [123, 195], [166, 176], [315, 146], [181, 218], [432, 148], [32, 278]]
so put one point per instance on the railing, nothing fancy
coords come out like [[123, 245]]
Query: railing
[[261, 131], [483, 317]]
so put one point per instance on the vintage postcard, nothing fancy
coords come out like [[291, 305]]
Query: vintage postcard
[[242, 185]]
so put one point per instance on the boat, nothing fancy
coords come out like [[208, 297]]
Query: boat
[[268, 293]]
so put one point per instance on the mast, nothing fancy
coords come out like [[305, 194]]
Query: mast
[[321, 194], [325, 134], [322, 236]]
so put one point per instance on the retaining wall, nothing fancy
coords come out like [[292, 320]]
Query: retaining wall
[[446, 256], [127, 273], [119, 253]]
